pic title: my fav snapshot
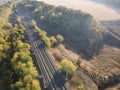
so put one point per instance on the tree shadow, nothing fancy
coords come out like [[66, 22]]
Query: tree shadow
[[57, 82], [112, 81], [36, 36], [59, 79], [112, 36], [111, 41]]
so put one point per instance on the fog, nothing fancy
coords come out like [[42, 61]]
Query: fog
[[99, 11]]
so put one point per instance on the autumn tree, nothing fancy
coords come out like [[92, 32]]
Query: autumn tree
[[33, 23], [59, 38], [17, 71], [46, 41], [18, 18], [68, 67], [53, 41], [7, 26], [23, 68]]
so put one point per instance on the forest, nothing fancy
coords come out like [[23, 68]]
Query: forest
[[77, 27], [17, 71]]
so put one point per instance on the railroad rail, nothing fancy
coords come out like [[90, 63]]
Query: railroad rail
[[51, 77]]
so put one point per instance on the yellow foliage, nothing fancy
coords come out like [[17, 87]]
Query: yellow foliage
[[18, 18], [27, 79], [19, 83], [1, 47], [81, 87], [33, 22], [59, 38], [2, 41], [35, 85], [5, 12], [68, 66]]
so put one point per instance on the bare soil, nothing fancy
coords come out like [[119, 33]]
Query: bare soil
[[57, 54], [102, 71]]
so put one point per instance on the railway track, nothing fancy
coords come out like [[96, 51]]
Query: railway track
[[38, 60], [51, 77], [57, 78]]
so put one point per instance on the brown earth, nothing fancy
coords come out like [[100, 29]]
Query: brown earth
[[102, 70], [57, 54]]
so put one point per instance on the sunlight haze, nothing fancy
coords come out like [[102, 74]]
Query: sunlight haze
[[87, 6]]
